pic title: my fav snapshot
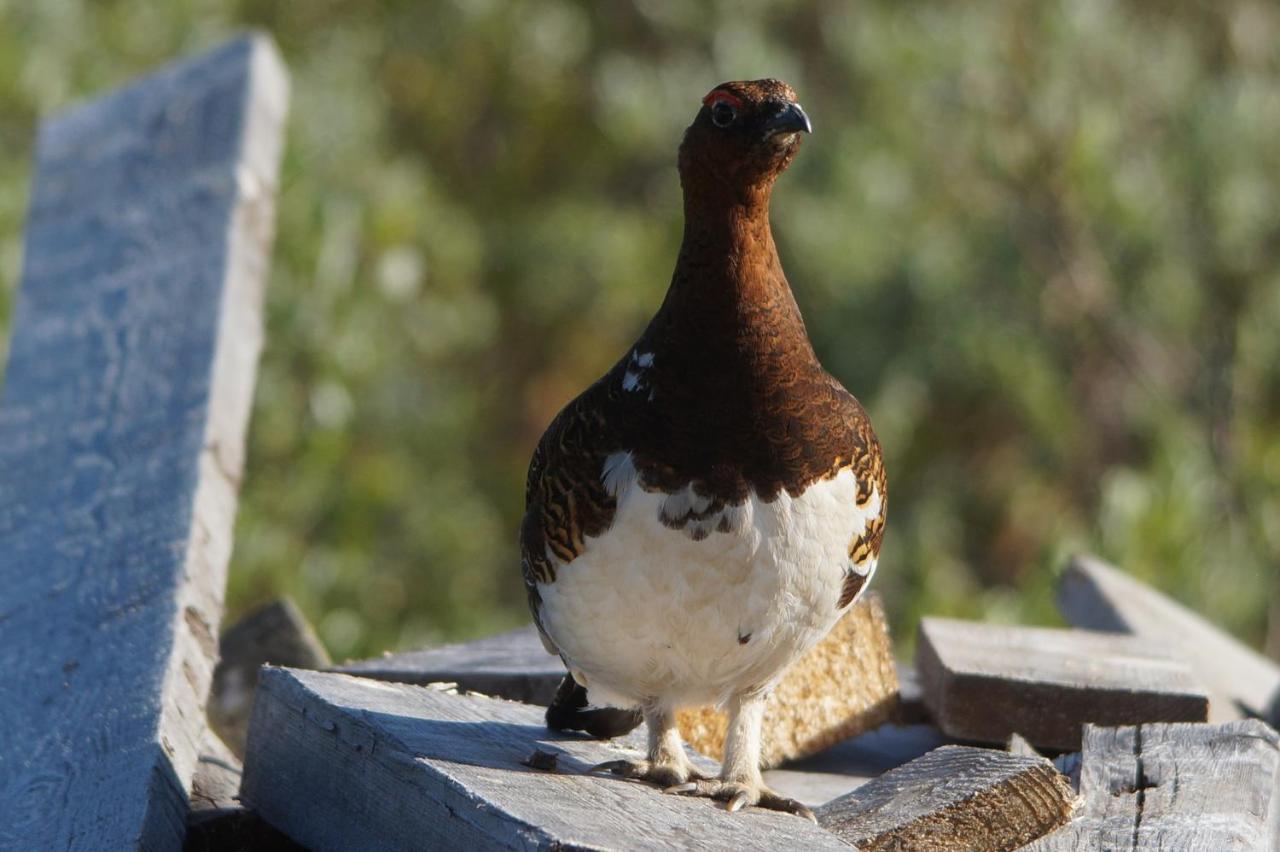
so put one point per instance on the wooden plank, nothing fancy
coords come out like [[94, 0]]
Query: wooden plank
[[848, 765], [217, 822], [1200, 788], [130, 377], [216, 782], [340, 762], [1242, 682], [844, 686], [986, 682], [513, 665], [275, 633], [955, 797]]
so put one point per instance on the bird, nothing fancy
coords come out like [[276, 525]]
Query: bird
[[703, 514]]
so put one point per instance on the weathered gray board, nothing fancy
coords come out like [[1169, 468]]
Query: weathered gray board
[[987, 682], [1194, 788], [1094, 595], [954, 798], [513, 665], [136, 336], [340, 762]]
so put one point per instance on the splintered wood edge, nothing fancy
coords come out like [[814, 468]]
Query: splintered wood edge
[[844, 686]]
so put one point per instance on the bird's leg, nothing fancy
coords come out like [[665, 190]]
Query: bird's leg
[[740, 783], [667, 764]]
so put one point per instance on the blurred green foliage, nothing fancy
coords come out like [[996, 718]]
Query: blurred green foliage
[[1040, 240]]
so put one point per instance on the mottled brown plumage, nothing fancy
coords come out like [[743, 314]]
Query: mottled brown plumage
[[728, 396]]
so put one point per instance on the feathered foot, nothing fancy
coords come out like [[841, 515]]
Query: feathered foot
[[741, 794], [664, 774]]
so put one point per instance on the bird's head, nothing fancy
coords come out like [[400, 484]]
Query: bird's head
[[743, 137]]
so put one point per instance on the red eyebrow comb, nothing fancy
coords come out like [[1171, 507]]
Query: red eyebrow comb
[[717, 95]]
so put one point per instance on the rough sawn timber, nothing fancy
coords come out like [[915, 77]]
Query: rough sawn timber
[[136, 337], [954, 798], [346, 763], [1097, 596], [987, 682], [1194, 788]]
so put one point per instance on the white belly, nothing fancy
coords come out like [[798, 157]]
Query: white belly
[[649, 613]]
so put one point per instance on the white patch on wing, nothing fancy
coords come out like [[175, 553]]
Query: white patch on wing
[[618, 474], [649, 613], [633, 378]]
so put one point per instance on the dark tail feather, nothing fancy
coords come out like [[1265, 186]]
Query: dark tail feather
[[568, 712]]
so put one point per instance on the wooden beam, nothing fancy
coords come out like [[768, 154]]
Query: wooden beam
[[954, 798], [217, 821], [987, 682], [1242, 682], [846, 685], [276, 633], [130, 377], [1199, 788], [513, 665], [849, 764], [339, 762]]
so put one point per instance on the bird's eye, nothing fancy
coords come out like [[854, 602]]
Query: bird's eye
[[723, 114]]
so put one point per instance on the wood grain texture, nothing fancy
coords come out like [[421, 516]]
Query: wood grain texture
[[136, 336], [512, 665], [953, 798], [1242, 682], [849, 764], [340, 762], [1197, 788], [987, 682], [276, 633], [845, 685]]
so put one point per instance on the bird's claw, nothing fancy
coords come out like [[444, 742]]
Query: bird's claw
[[738, 795], [686, 787], [613, 767], [667, 776]]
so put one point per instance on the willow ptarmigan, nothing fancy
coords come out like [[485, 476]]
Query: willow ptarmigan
[[703, 514]]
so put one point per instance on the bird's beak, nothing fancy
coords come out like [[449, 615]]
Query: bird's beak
[[789, 118]]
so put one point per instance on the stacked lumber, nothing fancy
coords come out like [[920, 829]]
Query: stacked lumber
[[436, 762]]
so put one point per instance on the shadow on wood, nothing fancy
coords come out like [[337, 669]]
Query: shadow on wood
[[1243, 682], [339, 762]]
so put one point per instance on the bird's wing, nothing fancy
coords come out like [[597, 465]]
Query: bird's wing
[[867, 463], [565, 495]]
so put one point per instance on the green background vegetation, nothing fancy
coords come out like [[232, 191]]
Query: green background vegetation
[[1039, 240]]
